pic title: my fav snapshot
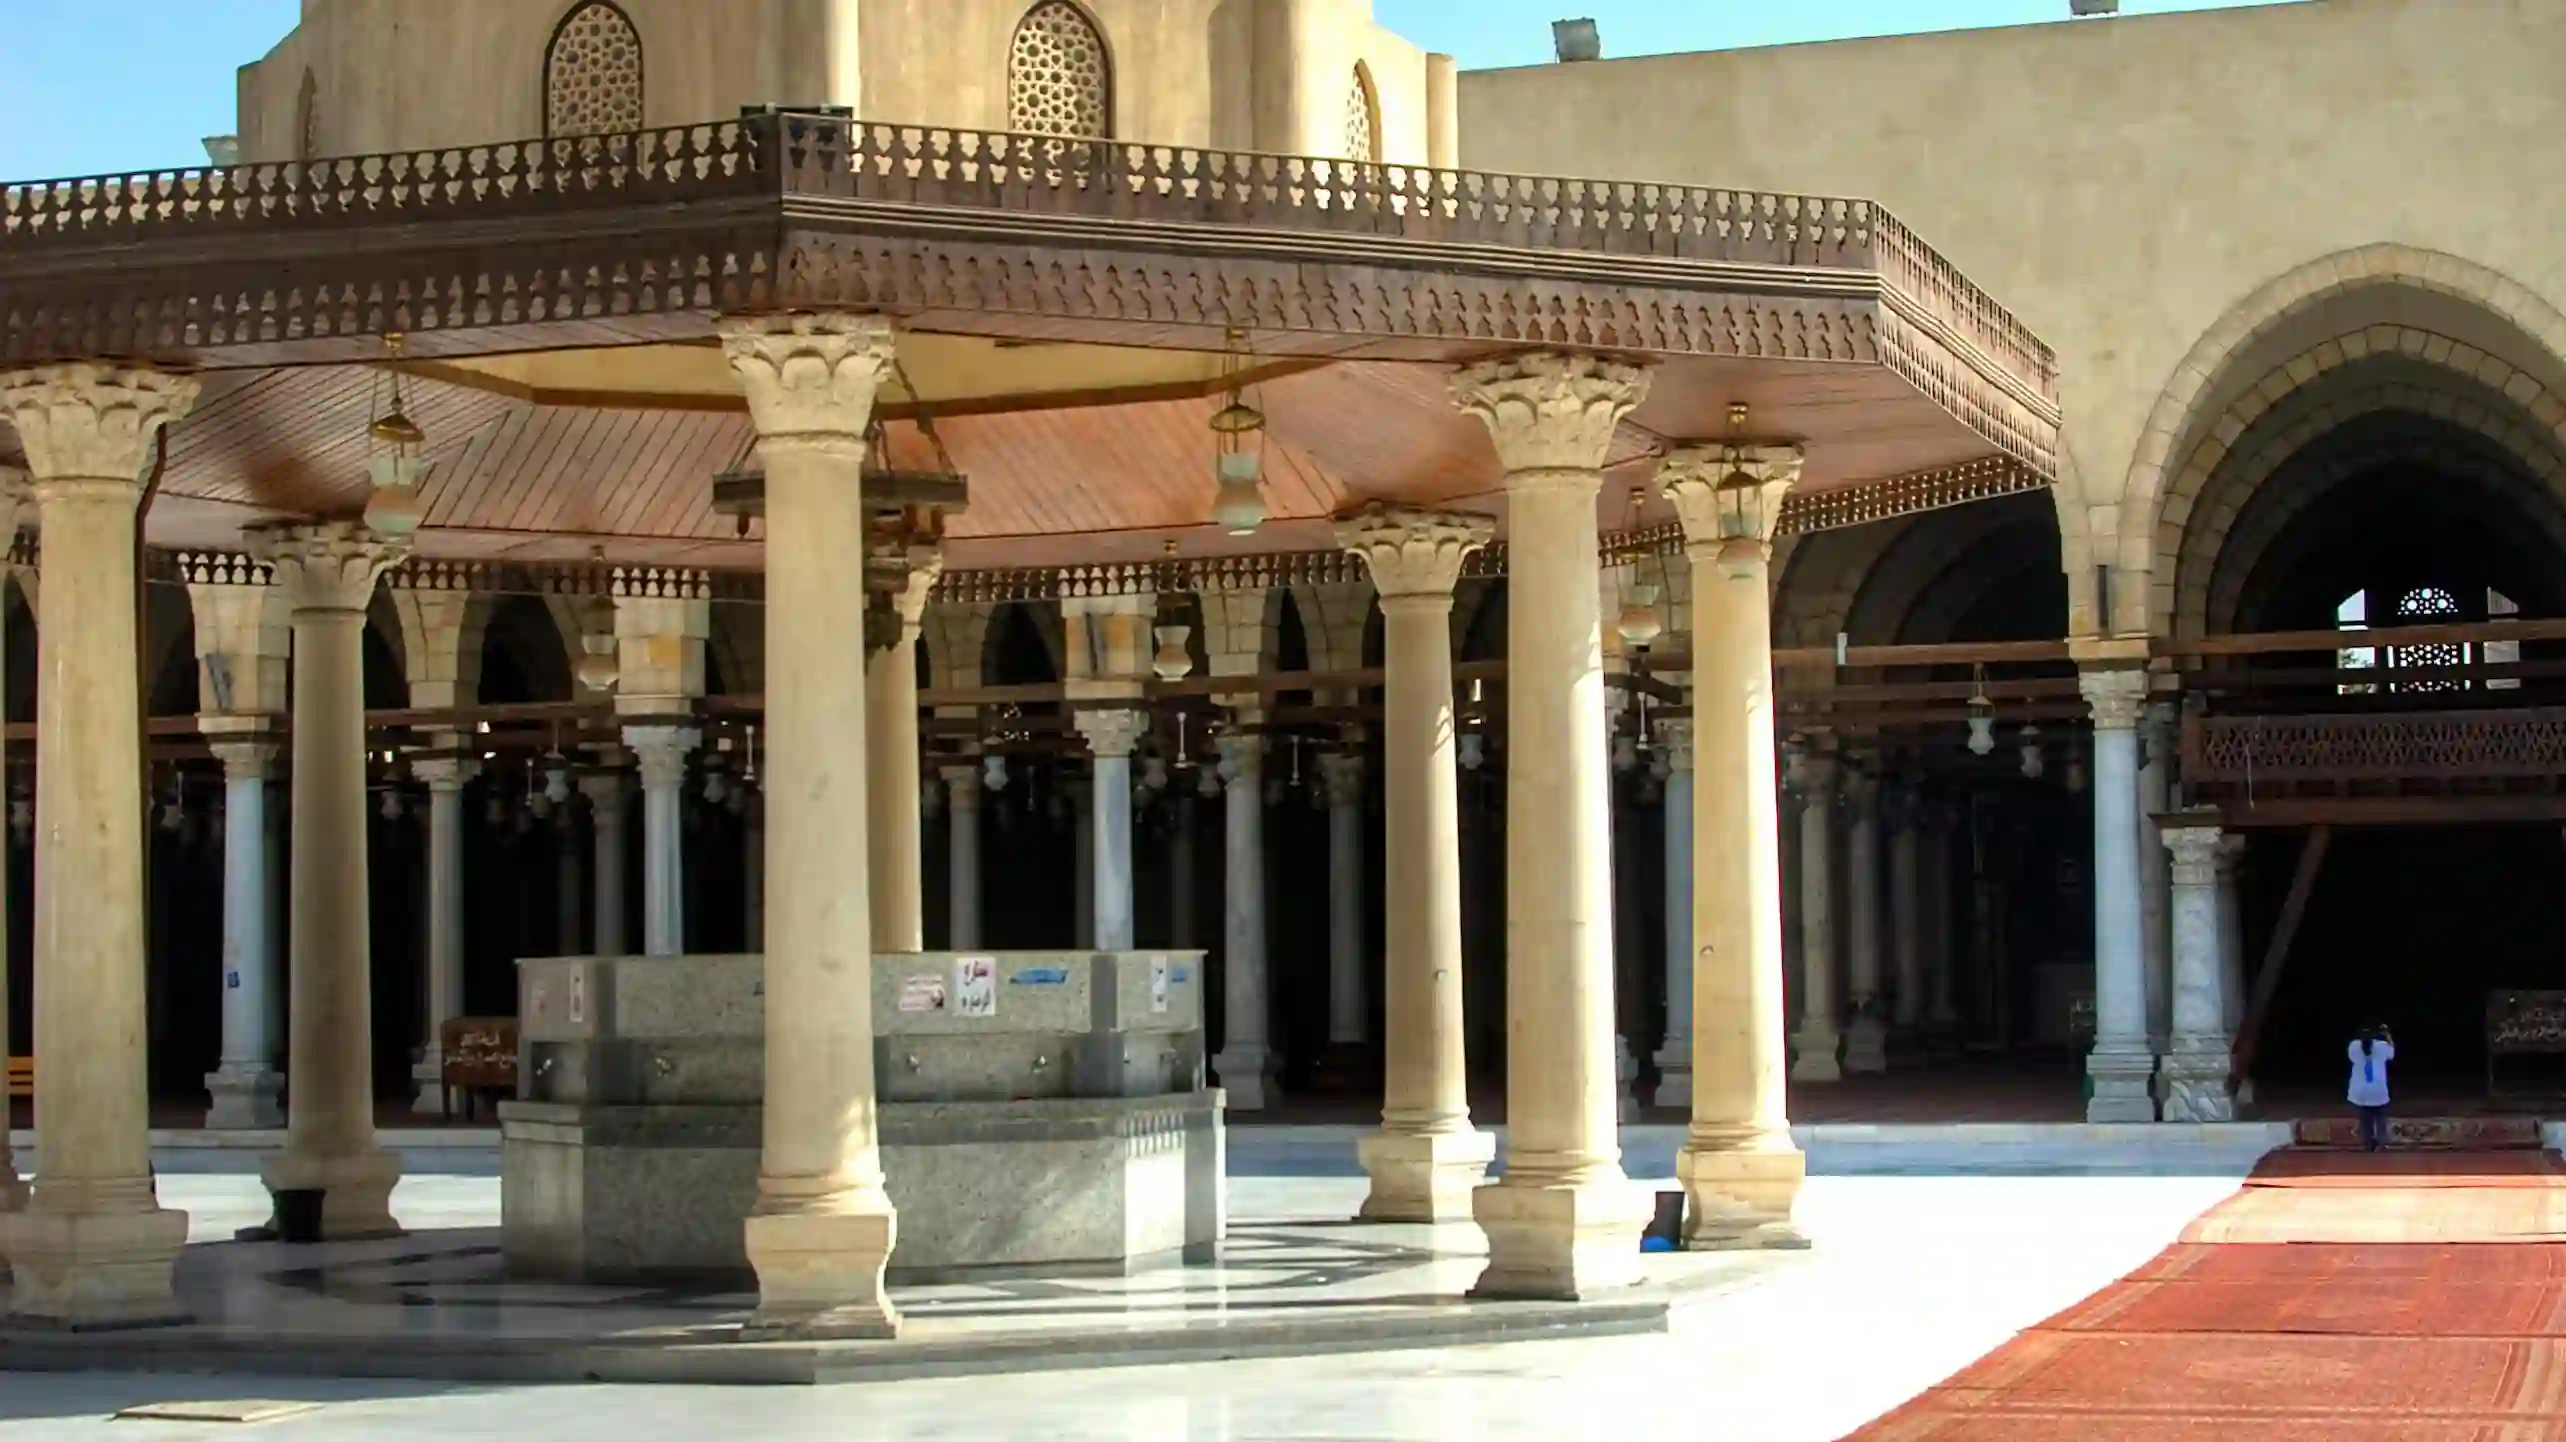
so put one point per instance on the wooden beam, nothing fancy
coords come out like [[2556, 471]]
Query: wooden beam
[[2267, 982], [2297, 811], [1964, 653], [2458, 633]]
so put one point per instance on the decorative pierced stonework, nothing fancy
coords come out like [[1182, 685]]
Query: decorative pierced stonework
[[1549, 411], [2446, 745], [1909, 495], [89, 423], [1059, 81], [810, 378], [593, 74], [1362, 128], [1414, 553]]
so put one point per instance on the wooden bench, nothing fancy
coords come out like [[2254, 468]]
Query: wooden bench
[[480, 1061]]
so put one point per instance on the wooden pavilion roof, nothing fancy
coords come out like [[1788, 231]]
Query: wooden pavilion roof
[[1065, 307]]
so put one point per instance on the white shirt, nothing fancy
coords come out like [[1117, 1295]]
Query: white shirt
[[2370, 1073]]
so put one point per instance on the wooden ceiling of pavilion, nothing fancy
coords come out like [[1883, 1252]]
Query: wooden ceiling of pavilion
[[1065, 307]]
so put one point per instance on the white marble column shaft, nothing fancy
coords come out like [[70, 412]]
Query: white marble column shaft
[[1819, 1043], [1675, 1056], [896, 837], [246, 1088], [1866, 1035], [962, 867], [1942, 957], [662, 752], [2197, 1060], [328, 572], [1246, 1061], [2122, 1065], [1111, 738], [2155, 868], [823, 1227], [1427, 1159], [446, 776], [1906, 910], [1349, 992], [609, 812]]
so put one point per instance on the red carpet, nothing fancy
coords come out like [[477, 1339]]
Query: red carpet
[[2327, 1300]]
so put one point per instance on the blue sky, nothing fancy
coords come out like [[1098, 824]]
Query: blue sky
[[167, 66]]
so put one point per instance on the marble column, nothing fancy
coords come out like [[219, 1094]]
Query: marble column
[[962, 840], [823, 1226], [1564, 1222], [1082, 857], [1741, 1171], [2197, 1061], [1817, 1046], [1349, 1000], [1112, 736], [608, 809], [327, 571], [1675, 1056], [570, 888], [2231, 856], [92, 1246], [1246, 1063], [2122, 1065], [1906, 909], [246, 1089], [1427, 1159], [2155, 869], [446, 776], [662, 752], [1180, 867], [1941, 958], [753, 866], [1866, 1036], [896, 837]]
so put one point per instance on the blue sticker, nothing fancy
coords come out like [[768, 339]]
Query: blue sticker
[[231, 981], [1181, 974], [1040, 976]]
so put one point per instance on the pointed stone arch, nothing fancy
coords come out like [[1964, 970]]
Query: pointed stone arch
[[1363, 118], [593, 72]]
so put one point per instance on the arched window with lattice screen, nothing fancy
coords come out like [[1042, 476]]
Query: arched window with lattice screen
[[307, 119], [1362, 118], [592, 73], [1059, 78]]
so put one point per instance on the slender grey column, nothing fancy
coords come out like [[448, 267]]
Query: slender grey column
[[1245, 1065], [1906, 908], [2231, 935], [2155, 870], [446, 777], [753, 866], [1675, 1056], [2122, 1066], [2196, 1065], [246, 1087], [662, 750], [1943, 1018], [1111, 738], [607, 813], [570, 902], [1866, 1040], [1815, 1056], [962, 822], [1349, 1012], [1082, 844], [1180, 868]]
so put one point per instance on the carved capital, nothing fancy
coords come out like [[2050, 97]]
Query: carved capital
[[1413, 554], [328, 566], [662, 752], [1341, 777], [2117, 697], [605, 793], [2197, 852], [1112, 733], [962, 786], [246, 760], [86, 423], [1729, 498], [1816, 774], [1675, 743], [1549, 411], [1242, 759], [445, 774], [810, 378], [917, 569]]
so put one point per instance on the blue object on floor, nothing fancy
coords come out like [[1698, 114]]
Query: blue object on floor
[[1655, 1244]]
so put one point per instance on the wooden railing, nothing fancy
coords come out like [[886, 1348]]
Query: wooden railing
[[820, 156], [2250, 750]]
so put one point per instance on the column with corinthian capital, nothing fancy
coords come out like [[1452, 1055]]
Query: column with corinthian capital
[[1427, 1160], [1741, 1171], [1565, 1220], [1111, 738], [1675, 1054], [1818, 1045], [92, 1246], [446, 776], [2202, 1047], [607, 809], [328, 571], [1246, 1061], [895, 835], [662, 751], [2122, 1065], [823, 1227], [962, 865]]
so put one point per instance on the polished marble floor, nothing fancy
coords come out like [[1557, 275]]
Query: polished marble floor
[[1923, 1263]]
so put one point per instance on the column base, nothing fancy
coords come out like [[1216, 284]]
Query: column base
[[2123, 1078], [1738, 1195], [245, 1099], [2195, 1081], [1675, 1075], [1866, 1045], [1423, 1176], [431, 1100], [1560, 1241], [356, 1190], [99, 1271], [819, 1274], [1814, 1054], [1246, 1070]]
